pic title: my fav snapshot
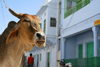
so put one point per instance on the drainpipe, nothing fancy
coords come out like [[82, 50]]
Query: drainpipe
[[57, 32], [95, 35], [62, 39]]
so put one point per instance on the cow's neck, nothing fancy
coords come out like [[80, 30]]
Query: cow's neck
[[14, 54]]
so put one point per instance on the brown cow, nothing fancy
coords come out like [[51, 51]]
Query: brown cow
[[23, 37]]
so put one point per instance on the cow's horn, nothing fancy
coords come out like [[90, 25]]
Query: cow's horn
[[14, 13]]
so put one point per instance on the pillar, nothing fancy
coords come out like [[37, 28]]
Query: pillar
[[95, 35]]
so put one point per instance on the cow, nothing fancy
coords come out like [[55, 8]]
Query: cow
[[22, 36]]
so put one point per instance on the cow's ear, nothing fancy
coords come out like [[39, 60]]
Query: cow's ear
[[13, 35]]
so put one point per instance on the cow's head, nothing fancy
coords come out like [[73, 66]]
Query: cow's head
[[27, 30]]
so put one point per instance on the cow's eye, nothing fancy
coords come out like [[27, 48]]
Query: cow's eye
[[26, 20], [34, 24]]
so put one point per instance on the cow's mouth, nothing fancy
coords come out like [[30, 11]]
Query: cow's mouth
[[40, 42]]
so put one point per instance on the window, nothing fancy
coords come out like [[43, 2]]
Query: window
[[69, 4], [80, 49], [53, 22], [45, 14], [44, 26], [40, 57]]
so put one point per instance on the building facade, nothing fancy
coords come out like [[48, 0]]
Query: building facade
[[80, 33], [49, 16]]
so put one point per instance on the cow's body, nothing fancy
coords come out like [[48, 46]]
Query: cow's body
[[18, 38], [7, 50], [12, 55]]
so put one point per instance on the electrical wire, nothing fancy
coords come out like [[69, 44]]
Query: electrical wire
[[3, 14], [70, 18], [6, 7], [69, 21], [55, 8]]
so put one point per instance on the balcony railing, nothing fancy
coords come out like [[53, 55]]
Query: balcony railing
[[76, 8], [84, 62]]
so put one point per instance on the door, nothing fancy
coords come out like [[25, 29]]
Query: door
[[48, 59], [99, 55], [90, 54], [99, 48], [80, 51], [80, 55], [37, 60]]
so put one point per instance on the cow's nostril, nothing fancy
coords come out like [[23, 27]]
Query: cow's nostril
[[38, 35], [44, 37]]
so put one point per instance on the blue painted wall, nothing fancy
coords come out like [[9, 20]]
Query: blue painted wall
[[70, 48], [71, 44]]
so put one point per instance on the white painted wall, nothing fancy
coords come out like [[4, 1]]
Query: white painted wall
[[43, 17], [83, 14], [51, 11], [82, 19], [43, 52], [53, 40]]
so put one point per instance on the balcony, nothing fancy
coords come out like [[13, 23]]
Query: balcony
[[76, 8]]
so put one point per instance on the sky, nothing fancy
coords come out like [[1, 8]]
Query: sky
[[19, 6]]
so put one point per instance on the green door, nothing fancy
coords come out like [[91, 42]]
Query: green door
[[80, 51], [90, 54], [80, 55], [48, 59], [37, 59], [99, 55], [99, 48]]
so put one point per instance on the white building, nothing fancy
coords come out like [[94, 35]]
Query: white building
[[80, 36], [50, 25]]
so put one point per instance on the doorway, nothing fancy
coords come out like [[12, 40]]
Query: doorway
[[48, 59], [90, 54]]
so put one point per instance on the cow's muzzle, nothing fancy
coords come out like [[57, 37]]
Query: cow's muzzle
[[40, 39], [40, 36]]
